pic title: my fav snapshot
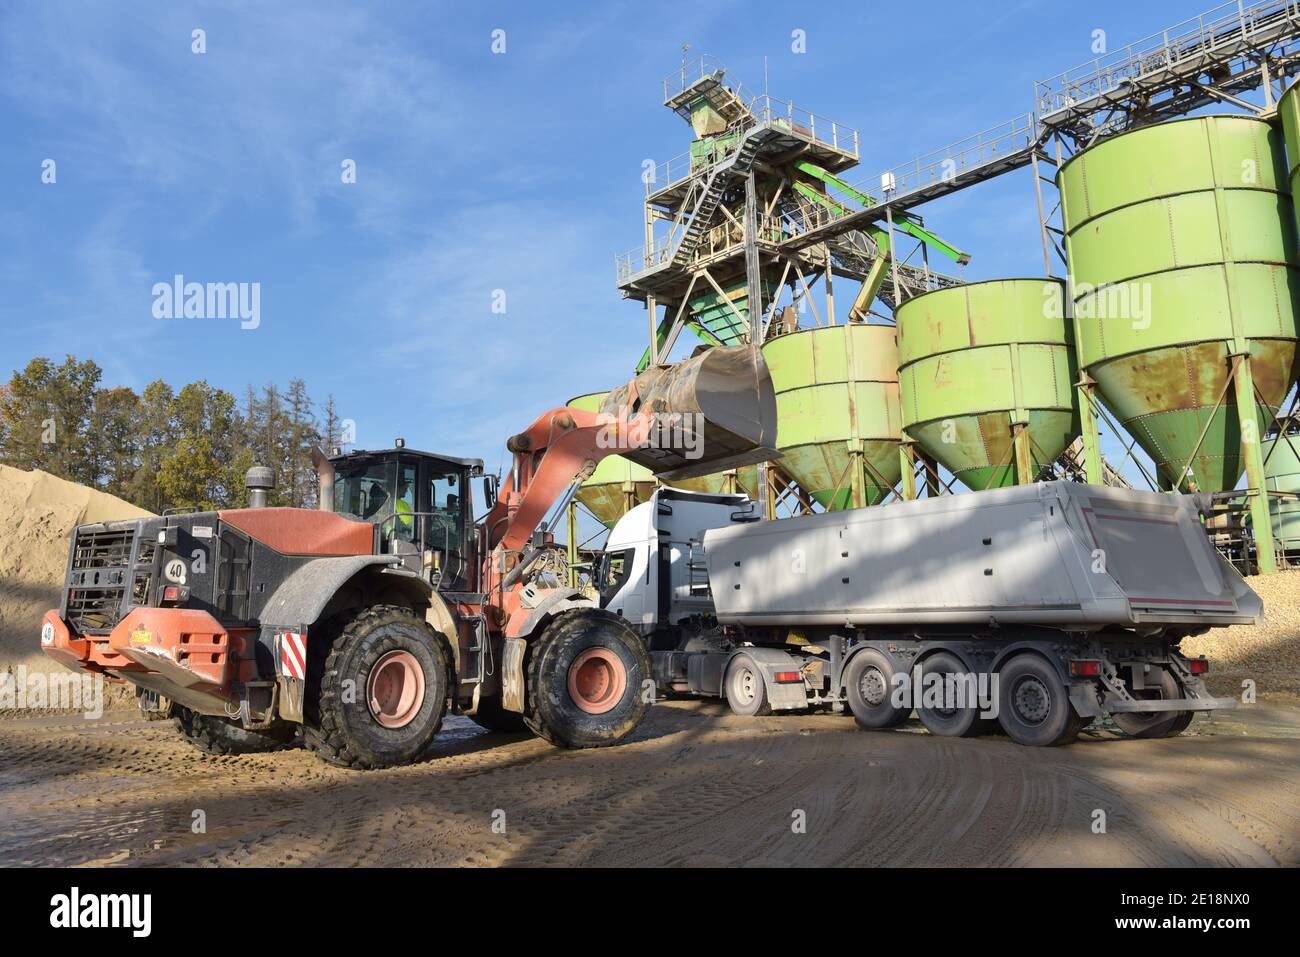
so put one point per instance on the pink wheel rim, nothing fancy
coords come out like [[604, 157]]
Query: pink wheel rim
[[597, 680], [395, 689]]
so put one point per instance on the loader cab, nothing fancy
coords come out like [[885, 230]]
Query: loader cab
[[420, 505]]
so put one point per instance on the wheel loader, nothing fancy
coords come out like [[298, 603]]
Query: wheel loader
[[360, 625]]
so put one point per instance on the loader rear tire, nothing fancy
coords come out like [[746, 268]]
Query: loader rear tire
[[214, 735], [379, 696], [868, 684], [585, 678]]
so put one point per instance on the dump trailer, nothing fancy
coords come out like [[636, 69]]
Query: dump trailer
[[362, 624], [1036, 608]]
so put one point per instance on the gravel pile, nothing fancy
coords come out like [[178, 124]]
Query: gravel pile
[[1268, 653]]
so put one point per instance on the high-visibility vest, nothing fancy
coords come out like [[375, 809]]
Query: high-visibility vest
[[399, 508]]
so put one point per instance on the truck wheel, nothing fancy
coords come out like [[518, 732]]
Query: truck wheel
[[214, 735], [584, 680], [382, 691], [492, 717], [1181, 724], [946, 719], [868, 684], [1033, 706], [746, 688], [1155, 724]]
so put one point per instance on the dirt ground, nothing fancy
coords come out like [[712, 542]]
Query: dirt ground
[[695, 786]]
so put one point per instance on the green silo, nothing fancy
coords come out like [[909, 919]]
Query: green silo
[[1289, 110], [1282, 469], [983, 364], [1182, 254], [617, 484], [838, 411]]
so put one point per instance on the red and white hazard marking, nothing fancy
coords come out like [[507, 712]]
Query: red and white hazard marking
[[293, 655]]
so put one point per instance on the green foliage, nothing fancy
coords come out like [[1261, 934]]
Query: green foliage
[[161, 448], [46, 412]]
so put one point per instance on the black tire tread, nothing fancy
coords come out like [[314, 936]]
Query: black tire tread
[[325, 737], [218, 736], [534, 717]]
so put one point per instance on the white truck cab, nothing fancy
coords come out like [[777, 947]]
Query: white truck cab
[[653, 571]]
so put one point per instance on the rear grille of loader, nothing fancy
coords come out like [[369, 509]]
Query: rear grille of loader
[[98, 579]]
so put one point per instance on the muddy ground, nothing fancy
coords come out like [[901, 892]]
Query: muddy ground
[[695, 786]]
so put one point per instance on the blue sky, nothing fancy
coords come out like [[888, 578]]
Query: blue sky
[[475, 172]]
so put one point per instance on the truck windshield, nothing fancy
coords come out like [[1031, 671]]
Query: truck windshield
[[364, 490]]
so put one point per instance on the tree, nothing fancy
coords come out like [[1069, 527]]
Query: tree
[[114, 439], [156, 434], [303, 433], [46, 413], [161, 449], [204, 464]]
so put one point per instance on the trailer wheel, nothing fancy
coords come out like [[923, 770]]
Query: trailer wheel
[[1156, 724], [868, 684], [746, 688], [584, 680], [946, 719], [382, 690], [492, 717], [1033, 706], [214, 735]]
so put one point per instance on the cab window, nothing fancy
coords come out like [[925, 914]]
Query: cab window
[[364, 491], [615, 570], [446, 512]]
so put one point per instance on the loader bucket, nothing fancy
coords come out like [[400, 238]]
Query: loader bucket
[[713, 411]]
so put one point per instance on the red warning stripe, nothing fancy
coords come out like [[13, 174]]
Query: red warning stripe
[[293, 655]]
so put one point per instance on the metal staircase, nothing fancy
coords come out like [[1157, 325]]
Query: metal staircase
[[722, 174]]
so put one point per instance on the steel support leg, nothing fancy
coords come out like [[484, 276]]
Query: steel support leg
[[1252, 450], [1092, 470], [907, 458]]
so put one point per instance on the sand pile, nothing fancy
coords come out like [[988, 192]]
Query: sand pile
[[37, 515], [1268, 653]]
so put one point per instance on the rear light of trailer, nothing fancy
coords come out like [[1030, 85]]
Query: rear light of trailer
[[1085, 668], [789, 677], [1198, 666]]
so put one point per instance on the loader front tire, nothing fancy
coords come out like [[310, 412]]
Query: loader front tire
[[586, 680], [379, 696], [214, 735]]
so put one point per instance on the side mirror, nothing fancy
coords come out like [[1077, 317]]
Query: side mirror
[[490, 490]]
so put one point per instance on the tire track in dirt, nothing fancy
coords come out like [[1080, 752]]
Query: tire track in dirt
[[695, 786]]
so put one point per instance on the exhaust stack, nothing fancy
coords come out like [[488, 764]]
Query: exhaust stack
[[324, 478], [260, 481]]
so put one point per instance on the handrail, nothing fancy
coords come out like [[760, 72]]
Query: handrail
[[761, 110], [1227, 26]]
